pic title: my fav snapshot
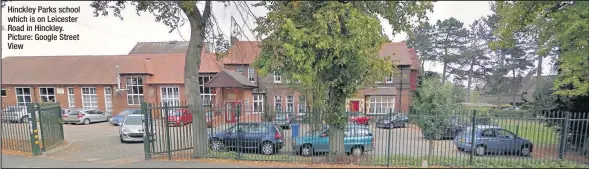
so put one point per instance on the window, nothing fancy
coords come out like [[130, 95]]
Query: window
[[278, 103], [488, 133], [240, 68], [389, 79], [47, 94], [302, 104], [277, 78], [258, 103], [205, 92], [3, 92], [505, 134], [381, 104], [108, 99], [255, 129], [289, 103], [89, 98], [134, 90], [23, 95], [71, 98], [250, 74], [170, 95]]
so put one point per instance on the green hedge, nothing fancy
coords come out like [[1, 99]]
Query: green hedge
[[513, 113]]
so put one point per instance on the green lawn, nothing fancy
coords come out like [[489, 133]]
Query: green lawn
[[535, 131]]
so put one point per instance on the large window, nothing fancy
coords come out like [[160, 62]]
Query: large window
[[277, 78], [258, 103], [277, 103], [23, 95], [302, 104], [289, 103], [134, 90], [205, 92], [71, 98], [381, 104], [3, 92], [89, 98], [170, 95], [250, 74], [47, 94], [108, 99]]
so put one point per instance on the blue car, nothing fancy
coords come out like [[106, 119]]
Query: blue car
[[357, 140], [265, 137], [492, 139], [118, 119]]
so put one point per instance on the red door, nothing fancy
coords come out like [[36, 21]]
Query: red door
[[231, 111], [355, 106]]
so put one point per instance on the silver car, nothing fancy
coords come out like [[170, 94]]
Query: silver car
[[16, 114], [86, 116], [132, 129]]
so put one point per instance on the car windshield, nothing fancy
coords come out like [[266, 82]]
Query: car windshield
[[316, 132], [133, 120], [126, 112], [75, 112], [175, 113]]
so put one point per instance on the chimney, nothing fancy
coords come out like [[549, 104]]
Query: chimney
[[234, 40], [147, 65]]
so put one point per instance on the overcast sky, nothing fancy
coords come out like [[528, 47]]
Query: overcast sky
[[112, 36]]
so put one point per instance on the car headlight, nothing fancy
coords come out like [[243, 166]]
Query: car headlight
[[125, 130]]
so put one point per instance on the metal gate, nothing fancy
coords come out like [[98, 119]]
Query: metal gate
[[50, 125]]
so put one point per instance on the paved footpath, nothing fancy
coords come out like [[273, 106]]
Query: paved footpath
[[11, 161]]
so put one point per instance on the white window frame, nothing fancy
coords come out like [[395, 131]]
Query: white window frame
[[386, 103], [302, 106], [107, 99], [173, 99], [250, 74], [389, 79], [89, 101], [130, 91], [71, 98], [278, 104], [4, 91], [23, 95], [258, 99], [290, 103], [277, 78], [204, 94], [47, 95]]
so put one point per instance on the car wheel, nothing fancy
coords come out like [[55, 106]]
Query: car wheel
[[108, 119], [267, 148], [306, 150], [86, 121], [480, 150], [217, 145], [525, 151], [357, 151], [122, 141], [24, 119], [404, 125]]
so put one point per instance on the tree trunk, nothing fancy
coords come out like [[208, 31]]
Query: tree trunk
[[539, 74], [469, 81], [515, 88], [191, 75], [336, 111]]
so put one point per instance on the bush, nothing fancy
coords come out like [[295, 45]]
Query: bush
[[513, 113], [434, 104]]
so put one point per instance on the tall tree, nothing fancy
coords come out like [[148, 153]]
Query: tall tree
[[422, 39], [560, 24], [172, 14], [450, 40], [332, 47]]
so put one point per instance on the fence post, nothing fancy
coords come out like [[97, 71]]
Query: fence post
[[40, 133], [472, 138], [238, 114], [147, 135], [31, 109], [564, 136], [388, 140], [168, 139]]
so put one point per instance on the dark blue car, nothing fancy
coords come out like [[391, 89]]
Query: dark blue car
[[265, 137], [492, 139], [118, 119]]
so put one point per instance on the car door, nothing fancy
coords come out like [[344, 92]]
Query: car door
[[230, 136], [321, 142], [89, 114], [489, 139], [252, 136], [507, 139], [101, 116]]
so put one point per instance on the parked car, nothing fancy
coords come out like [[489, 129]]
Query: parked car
[[87, 117], [357, 118], [132, 129], [282, 120], [15, 114], [450, 128], [179, 117], [118, 119], [268, 138], [357, 140], [492, 139], [395, 120]]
